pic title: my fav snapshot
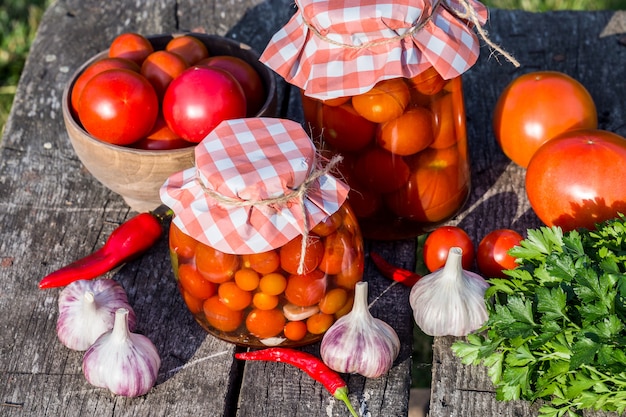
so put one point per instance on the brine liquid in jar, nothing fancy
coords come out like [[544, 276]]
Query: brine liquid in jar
[[404, 145], [260, 299]]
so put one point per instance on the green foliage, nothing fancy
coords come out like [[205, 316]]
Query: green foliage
[[18, 25], [556, 326]]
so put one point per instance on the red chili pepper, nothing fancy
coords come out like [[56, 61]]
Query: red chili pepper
[[401, 275], [310, 364], [128, 241]]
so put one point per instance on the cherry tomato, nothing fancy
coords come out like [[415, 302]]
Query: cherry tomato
[[131, 46], [344, 129], [96, 68], [381, 171], [385, 101], [246, 76], [435, 190], [577, 179], [438, 244], [118, 106], [492, 255], [160, 68], [191, 49], [161, 137], [407, 134], [199, 99], [535, 108]]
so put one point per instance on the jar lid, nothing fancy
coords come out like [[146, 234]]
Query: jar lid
[[337, 48], [257, 184]]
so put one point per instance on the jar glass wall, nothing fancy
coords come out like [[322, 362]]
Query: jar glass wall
[[260, 299], [404, 145]]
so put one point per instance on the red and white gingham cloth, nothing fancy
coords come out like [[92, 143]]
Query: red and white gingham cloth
[[334, 62], [246, 160]]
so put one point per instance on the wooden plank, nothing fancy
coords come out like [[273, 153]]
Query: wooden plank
[[561, 41], [52, 211]]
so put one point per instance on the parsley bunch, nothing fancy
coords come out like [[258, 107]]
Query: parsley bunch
[[557, 326]]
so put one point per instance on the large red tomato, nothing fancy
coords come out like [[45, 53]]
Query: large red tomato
[[577, 179], [118, 106], [199, 99], [538, 106]]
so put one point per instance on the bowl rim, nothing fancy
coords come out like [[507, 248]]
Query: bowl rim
[[69, 116]]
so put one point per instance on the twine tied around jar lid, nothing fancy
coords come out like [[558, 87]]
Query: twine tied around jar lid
[[297, 194], [468, 14], [258, 183], [341, 48]]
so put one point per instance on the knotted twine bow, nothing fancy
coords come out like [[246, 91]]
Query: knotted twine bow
[[297, 194]]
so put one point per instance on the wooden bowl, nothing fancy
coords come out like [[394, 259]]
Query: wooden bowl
[[137, 174]]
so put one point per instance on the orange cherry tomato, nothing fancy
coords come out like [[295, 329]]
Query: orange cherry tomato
[[265, 323], [263, 263], [131, 46], [264, 301], [338, 252], [435, 190], [536, 107], [295, 330], [381, 171], [273, 284], [191, 49], [345, 130], [193, 283], [181, 243], [306, 290], [428, 82], [407, 134], [220, 316], [247, 279], [320, 322], [385, 101], [291, 252], [333, 300], [444, 118], [214, 265], [234, 297]]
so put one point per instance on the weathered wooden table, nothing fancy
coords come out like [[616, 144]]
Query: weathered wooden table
[[52, 211]]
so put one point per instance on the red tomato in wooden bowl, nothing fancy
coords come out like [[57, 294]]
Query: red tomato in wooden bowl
[[538, 106], [118, 106], [199, 99], [578, 179]]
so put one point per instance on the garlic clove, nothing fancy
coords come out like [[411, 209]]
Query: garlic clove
[[450, 301], [87, 310], [358, 342], [125, 363], [293, 312]]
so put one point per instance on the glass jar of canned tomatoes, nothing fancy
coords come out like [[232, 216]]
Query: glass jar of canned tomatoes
[[381, 86], [266, 250]]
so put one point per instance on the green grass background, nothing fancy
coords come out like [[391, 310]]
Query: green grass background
[[18, 27]]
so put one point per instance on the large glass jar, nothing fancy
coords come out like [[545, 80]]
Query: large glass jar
[[404, 145], [265, 249], [381, 86]]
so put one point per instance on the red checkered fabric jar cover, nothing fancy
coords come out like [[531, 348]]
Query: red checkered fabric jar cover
[[338, 48], [257, 184]]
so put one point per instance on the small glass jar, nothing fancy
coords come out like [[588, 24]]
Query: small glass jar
[[265, 249], [404, 145], [259, 299]]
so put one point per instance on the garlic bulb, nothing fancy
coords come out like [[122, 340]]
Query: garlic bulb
[[358, 342], [87, 310], [450, 301], [126, 363]]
